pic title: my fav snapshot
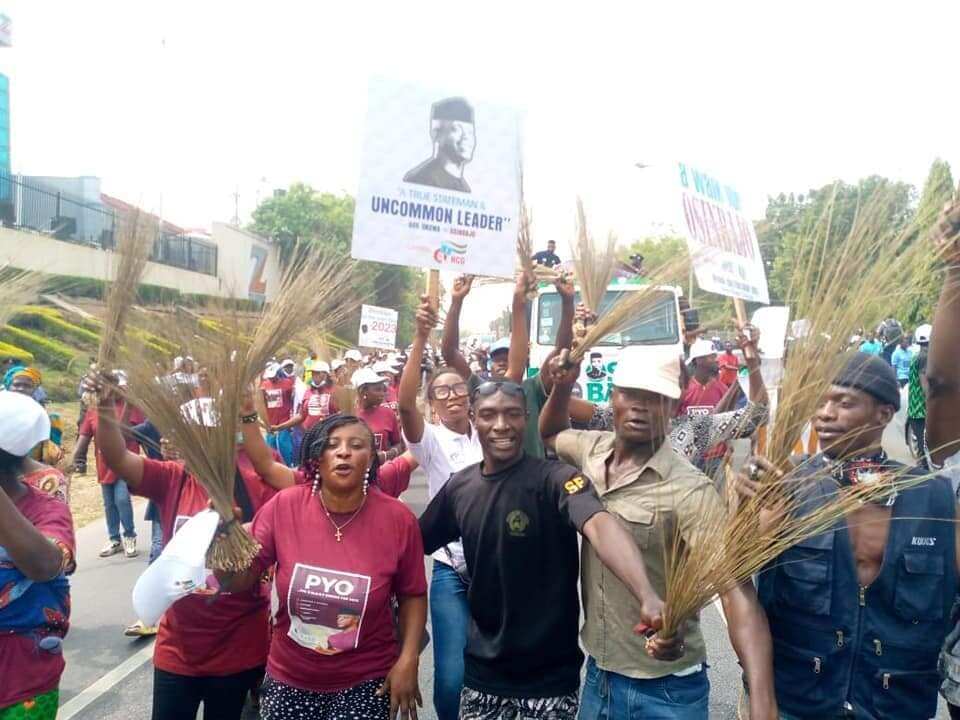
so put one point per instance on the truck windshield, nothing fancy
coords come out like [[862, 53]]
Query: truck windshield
[[657, 326]]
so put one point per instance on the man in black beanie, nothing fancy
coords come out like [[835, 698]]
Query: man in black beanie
[[858, 614], [454, 140]]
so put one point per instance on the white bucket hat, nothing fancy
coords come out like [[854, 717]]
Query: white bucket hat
[[652, 368], [23, 423]]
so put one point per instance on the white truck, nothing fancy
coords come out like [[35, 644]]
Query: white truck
[[662, 325]]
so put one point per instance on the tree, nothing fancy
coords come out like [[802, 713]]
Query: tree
[[301, 215], [791, 221], [917, 307], [715, 310]]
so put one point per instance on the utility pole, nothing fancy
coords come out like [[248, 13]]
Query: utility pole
[[236, 206]]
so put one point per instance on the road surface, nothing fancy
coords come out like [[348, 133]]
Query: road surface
[[109, 677]]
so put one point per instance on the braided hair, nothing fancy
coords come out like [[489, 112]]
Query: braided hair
[[316, 438]]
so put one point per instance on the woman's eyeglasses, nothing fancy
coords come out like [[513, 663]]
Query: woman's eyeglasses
[[505, 386], [444, 392]]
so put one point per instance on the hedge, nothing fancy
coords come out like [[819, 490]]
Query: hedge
[[52, 324], [50, 352], [12, 351]]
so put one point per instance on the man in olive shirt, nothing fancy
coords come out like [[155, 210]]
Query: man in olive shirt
[[518, 517], [655, 492]]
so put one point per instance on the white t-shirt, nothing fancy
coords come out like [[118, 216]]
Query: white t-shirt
[[442, 452]]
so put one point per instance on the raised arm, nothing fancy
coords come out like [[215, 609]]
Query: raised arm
[[276, 475], [943, 370], [410, 418], [450, 343], [519, 331], [555, 415]]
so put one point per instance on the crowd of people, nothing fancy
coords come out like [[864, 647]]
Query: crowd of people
[[532, 493]]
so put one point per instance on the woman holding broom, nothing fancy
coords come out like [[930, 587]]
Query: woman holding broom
[[341, 549], [209, 652]]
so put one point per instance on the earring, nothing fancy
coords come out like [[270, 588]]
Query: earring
[[366, 481], [316, 484]]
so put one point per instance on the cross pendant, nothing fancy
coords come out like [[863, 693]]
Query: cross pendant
[[339, 535]]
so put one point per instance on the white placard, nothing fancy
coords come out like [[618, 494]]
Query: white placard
[[440, 181], [378, 328], [722, 241]]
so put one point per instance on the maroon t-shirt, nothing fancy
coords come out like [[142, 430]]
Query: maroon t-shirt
[[383, 424], [317, 405], [88, 427], [334, 628], [278, 398], [25, 670], [205, 634]]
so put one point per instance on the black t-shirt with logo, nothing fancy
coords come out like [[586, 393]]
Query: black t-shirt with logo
[[519, 530]]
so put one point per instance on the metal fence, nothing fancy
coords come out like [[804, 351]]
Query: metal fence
[[26, 206]]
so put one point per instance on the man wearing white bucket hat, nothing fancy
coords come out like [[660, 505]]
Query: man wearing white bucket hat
[[652, 490], [36, 551]]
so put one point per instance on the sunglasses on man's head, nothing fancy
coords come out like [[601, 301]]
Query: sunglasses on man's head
[[444, 392], [505, 386]]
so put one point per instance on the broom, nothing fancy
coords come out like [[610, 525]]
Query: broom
[[593, 267], [314, 286], [835, 288]]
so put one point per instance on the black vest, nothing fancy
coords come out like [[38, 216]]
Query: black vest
[[873, 648]]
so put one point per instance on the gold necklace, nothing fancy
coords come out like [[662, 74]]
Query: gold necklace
[[339, 528]]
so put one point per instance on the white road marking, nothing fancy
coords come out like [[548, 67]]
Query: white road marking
[[105, 683]]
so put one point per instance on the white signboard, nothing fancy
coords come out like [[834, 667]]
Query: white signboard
[[721, 239], [5, 32], [378, 327], [440, 181]]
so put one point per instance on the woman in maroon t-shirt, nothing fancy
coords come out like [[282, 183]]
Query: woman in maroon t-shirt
[[342, 552], [211, 648]]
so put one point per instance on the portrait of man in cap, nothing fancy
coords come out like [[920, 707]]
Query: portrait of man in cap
[[454, 139]]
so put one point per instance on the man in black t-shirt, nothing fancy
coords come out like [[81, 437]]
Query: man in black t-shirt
[[547, 258], [518, 517]]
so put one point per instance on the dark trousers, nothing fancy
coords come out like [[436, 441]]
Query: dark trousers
[[954, 711], [178, 697]]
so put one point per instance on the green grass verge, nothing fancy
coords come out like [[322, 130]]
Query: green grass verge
[[45, 350]]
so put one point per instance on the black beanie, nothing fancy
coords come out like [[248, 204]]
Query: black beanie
[[873, 375]]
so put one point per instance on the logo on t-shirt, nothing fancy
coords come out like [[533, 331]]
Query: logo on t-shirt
[[274, 398], [699, 410], [517, 523], [326, 608], [575, 484]]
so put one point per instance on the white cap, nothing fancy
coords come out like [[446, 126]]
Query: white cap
[[177, 363], [701, 348], [922, 333], [353, 355], [23, 423], [365, 376], [288, 361], [271, 370], [337, 364], [384, 367], [121, 376], [320, 366], [649, 367]]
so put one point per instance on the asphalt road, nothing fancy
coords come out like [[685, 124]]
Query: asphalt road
[[109, 677]]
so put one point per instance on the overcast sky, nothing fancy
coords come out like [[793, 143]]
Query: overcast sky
[[192, 101]]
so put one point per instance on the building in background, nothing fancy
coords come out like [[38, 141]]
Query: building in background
[[66, 226]]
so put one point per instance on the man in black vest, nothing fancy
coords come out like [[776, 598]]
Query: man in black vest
[[858, 614]]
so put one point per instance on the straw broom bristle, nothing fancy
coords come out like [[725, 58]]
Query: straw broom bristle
[[629, 309], [593, 265], [232, 354], [835, 287]]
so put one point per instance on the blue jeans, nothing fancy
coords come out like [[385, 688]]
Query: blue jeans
[[282, 442], [609, 696], [450, 618], [119, 509]]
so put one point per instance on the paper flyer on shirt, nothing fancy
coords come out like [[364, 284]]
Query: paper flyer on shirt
[[326, 608]]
